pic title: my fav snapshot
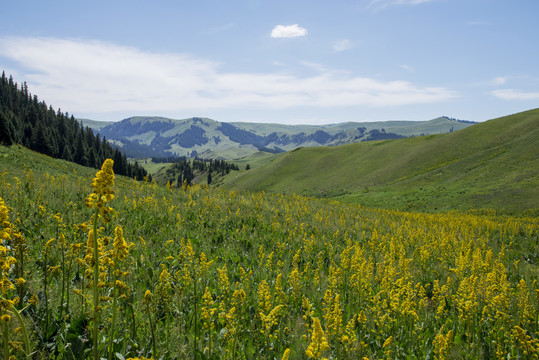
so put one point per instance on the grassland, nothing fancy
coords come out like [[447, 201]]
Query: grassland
[[152, 167], [255, 160], [205, 273], [491, 165]]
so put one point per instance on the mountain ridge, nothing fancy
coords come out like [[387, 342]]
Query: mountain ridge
[[146, 136]]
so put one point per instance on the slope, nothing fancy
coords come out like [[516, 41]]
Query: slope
[[494, 164]]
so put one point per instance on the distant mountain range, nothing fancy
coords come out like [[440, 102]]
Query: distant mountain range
[[142, 137]]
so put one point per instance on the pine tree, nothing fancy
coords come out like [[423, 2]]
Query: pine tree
[[5, 130], [40, 139]]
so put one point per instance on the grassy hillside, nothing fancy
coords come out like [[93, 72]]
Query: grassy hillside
[[95, 124], [16, 160], [255, 160], [494, 164], [205, 273]]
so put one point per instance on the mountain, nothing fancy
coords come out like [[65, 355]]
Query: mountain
[[157, 136], [494, 164]]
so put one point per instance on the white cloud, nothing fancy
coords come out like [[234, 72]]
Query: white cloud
[[288, 31], [97, 77], [317, 67], [500, 80], [342, 45], [407, 68], [512, 94]]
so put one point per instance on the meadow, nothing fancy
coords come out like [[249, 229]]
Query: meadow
[[98, 266]]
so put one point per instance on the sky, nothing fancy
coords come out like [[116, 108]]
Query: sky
[[278, 61]]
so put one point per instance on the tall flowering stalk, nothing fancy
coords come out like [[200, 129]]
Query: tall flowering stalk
[[148, 300], [318, 343], [207, 318], [120, 252], [9, 235], [286, 355], [101, 194], [442, 344]]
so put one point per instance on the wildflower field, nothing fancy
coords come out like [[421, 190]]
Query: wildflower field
[[97, 266]]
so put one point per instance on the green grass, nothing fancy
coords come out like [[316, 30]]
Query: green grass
[[230, 152], [492, 165], [255, 160], [152, 167], [16, 160]]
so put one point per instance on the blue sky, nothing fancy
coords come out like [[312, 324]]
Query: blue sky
[[308, 62]]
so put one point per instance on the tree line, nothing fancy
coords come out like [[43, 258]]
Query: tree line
[[185, 170], [29, 122]]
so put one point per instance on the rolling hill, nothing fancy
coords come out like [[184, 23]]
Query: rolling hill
[[156, 136], [494, 165]]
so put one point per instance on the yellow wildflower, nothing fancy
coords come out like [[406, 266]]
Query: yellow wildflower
[[318, 343], [387, 346], [121, 249], [102, 189], [33, 300], [286, 354], [442, 343], [264, 297], [528, 345], [272, 318], [207, 310], [148, 296]]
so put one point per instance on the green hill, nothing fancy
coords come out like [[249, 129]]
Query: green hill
[[94, 124], [494, 165]]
